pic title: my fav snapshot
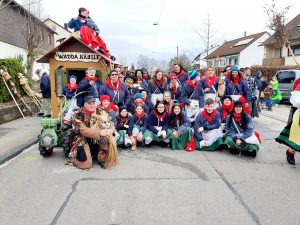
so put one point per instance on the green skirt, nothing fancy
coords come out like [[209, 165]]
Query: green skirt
[[121, 139], [179, 143], [283, 138], [247, 147], [212, 147], [154, 137]]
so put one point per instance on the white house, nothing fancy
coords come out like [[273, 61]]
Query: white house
[[200, 60], [61, 32], [244, 51], [16, 28]]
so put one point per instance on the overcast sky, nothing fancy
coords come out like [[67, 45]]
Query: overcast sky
[[128, 30]]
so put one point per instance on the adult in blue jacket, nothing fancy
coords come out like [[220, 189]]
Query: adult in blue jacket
[[89, 86], [175, 88], [192, 90], [83, 20], [182, 76], [236, 85], [158, 84], [46, 92], [116, 90]]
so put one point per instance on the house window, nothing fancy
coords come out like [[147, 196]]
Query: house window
[[296, 50], [277, 53], [235, 61], [49, 39]]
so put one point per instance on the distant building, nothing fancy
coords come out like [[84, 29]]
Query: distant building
[[62, 33], [277, 54], [14, 27], [200, 60], [244, 51]]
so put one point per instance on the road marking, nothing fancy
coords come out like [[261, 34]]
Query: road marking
[[12, 159]]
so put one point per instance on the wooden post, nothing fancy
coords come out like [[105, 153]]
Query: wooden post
[[13, 97]]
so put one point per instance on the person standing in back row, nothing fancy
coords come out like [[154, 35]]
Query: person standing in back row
[[46, 93]]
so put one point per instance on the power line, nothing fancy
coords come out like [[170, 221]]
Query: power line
[[157, 24]]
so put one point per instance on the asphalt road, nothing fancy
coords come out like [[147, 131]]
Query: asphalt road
[[156, 186]]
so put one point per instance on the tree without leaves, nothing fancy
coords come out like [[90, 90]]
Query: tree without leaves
[[4, 3], [277, 20], [27, 23], [207, 34], [35, 34], [183, 60], [122, 60], [132, 67], [142, 62]]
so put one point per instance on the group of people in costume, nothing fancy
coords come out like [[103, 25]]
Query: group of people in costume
[[179, 110]]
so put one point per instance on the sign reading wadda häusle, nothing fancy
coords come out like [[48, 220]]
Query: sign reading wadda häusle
[[77, 56]]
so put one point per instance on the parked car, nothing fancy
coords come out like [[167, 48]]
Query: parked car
[[286, 79]]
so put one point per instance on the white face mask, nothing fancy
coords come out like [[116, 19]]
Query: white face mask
[[295, 99]]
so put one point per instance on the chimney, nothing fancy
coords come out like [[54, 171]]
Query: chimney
[[66, 26], [211, 46], [245, 33]]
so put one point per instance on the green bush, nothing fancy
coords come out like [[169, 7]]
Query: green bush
[[13, 67]]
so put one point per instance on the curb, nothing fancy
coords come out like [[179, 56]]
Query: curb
[[18, 151]]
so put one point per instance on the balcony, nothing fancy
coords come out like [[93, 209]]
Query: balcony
[[274, 62]]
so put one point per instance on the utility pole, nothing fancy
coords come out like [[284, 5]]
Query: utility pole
[[177, 55]]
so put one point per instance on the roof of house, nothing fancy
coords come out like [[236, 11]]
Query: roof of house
[[15, 5], [71, 40], [235, 46], [292, 28], [198, 56], [56, 24]]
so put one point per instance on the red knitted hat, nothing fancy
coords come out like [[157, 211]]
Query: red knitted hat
[[104, 97]]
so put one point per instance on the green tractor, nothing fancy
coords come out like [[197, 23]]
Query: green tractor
[[53, 133]]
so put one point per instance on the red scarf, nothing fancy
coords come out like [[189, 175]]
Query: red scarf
[[91, 79], [138, 103], [139, 116], [123, 120], [72, 88], [194, 86], [111, 86], [244, 101], [159, 117], [210, 81], [158, 82], [112, 106], [226, 109], [174, 88], [237, 117], [88, 112], [235, 80], [207, 116], [181, 73]]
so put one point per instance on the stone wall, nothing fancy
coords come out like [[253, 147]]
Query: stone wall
[[10, 113]]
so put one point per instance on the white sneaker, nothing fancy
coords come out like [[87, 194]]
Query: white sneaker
[[202, 144]]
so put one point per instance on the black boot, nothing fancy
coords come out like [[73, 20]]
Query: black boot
[[290, 157], [234, 151]]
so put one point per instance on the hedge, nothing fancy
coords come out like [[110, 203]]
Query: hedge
[[14, 67], [267, 71]]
